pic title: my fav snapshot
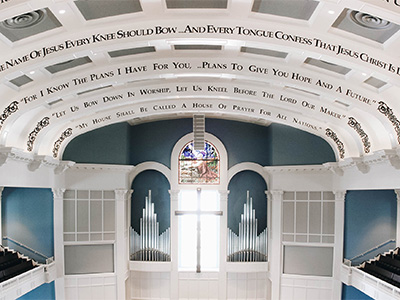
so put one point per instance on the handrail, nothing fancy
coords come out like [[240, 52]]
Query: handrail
[[25, 247], [372, 249]]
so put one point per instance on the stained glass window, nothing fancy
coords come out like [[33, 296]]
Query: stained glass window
[[199, 167]]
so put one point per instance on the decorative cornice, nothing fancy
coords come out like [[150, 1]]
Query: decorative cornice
[[335, 168], [295, 169], [32, 161], [102, 167]]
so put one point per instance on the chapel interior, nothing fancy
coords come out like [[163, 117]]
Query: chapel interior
[[199, 149]]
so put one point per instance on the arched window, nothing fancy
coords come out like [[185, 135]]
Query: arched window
[[199, 166]]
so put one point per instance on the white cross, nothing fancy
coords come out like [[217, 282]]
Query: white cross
[[199, 213]]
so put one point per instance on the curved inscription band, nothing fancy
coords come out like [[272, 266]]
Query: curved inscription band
[[330, 133], [353, 123], [388, 112], [57, 144], [8, 111], [32, 136]]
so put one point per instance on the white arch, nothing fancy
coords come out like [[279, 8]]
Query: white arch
[[248, 166], [223, 162], [150, 165]]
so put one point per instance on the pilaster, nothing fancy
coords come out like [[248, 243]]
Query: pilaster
[[174, 291], [223, 200], [121, 257], [1, 214], [58, 220], [275, 237], [398, 218], [338, 248]]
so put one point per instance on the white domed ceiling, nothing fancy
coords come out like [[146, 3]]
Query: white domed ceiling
[[331, 68]]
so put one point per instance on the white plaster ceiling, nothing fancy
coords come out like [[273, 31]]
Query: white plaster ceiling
[[331, 68]]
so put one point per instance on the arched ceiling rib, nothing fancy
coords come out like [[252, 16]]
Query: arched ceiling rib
[[331, 68]]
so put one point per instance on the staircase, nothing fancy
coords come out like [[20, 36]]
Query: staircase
[[385, 267], [13, 264]]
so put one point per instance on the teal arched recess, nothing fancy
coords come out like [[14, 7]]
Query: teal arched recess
[[159, 186], [238, 187]]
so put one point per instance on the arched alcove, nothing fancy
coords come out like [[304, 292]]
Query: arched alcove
[[238, 187], [159, 186]]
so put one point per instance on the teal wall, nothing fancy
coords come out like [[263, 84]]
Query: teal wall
[[268, 146], [155, 141], [351, 293], [370, 219], [44, 292], [27, 216], [110, 144], [292, 146]]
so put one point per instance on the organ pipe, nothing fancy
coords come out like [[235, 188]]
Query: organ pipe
[[247, 246], [149, 244]]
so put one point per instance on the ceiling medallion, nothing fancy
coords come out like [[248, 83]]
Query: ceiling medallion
[[25, 20], [368, 21]]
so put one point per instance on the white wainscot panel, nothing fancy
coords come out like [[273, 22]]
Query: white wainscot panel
[[198, 286], [90, 287], [150, 285], [295, 287], [248, 286]]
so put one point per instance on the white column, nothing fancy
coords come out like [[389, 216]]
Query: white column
[[121, 243], [58, 219], [338, 248], [222, 285], [174, 291], [398, 219], [1, 220], [275, 238]]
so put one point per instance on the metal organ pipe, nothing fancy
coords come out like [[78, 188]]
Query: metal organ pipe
[[247, 246], [149, 244]]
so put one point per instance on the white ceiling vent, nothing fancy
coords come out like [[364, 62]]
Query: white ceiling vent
[[95, 89], [296, 9], [131, 51], [97, 9], [68, 64], [193, 4], [199, 128], [301, 90], [197, 47], [28, 24], [327, 66], [21, 80], [54, 102], [365, 25], [375, 82], [265, 52]]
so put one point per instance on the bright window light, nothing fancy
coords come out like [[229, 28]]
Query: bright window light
[[209, 232]]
